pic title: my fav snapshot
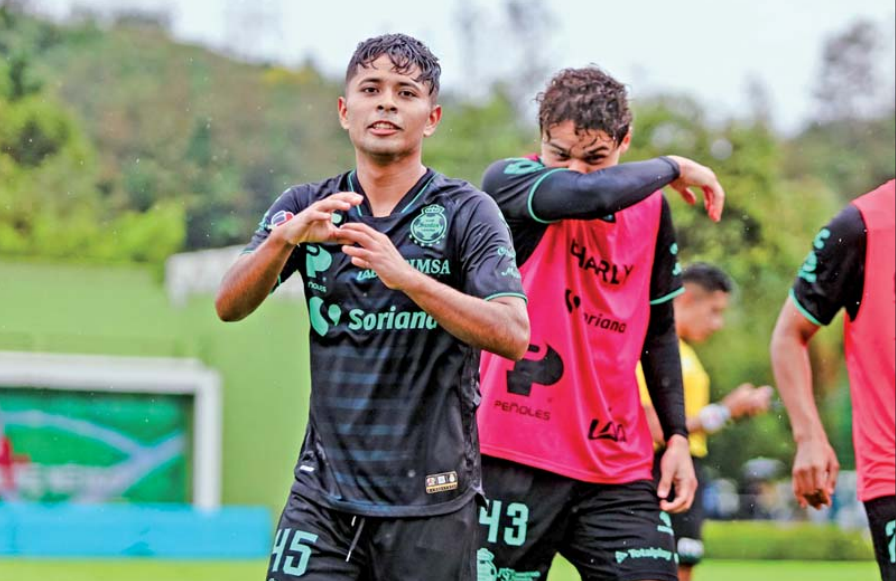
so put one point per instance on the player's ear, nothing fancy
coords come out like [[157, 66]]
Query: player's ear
[[343, 112], [626, 142], [435, 117]]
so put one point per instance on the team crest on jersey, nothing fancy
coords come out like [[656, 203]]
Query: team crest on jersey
[[280, 218], [430, 227]]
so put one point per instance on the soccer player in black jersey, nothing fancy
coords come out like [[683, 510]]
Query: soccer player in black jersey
[[408, 274]]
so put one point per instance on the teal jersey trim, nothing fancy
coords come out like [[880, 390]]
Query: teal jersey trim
[[803, 311], [532, 195], [499, 295], [417, 197], [351, 184], [667, 298]]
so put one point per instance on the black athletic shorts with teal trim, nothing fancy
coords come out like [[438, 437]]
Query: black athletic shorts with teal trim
[[609, 532], [688, 525], [314, 543], [882, 521]]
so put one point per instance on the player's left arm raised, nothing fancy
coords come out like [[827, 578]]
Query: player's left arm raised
[[500, 325]]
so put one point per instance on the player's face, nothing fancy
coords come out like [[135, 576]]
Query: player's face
[[586, 151], [702, 312], [387, 114]]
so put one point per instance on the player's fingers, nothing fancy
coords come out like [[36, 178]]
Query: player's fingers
[[665, 485], [687, 195], [356, 236], [714, 200], [357, 252], [333, 204], [678, 505], [833, 474], [350, 197]]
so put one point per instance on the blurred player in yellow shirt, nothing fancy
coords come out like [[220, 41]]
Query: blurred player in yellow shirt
[[699, 313]]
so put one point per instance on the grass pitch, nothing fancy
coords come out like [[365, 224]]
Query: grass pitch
[[150, 570]]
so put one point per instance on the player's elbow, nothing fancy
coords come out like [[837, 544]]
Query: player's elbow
[[518, 342], [226, 308]]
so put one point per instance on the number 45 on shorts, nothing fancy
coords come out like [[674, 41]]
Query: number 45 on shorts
[[517, 512], [295, 558]]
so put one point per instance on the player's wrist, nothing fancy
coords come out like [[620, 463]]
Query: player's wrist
[[676, 440]]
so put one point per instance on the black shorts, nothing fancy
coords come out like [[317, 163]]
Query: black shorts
[[688, 526], [314, 543], [882, 520], [608, 532]]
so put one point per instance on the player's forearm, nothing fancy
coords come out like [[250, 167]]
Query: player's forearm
[[573, 195], [793, 374], [499, 326], [661, 362], [251, 279]]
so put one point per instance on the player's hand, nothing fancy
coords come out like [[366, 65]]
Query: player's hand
[[373, 250], [315, 223], [677, 470], [740, 401], [761, 400], [694, 175], [815, 471]]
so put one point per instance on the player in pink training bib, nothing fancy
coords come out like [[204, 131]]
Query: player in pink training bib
[[567, 453]]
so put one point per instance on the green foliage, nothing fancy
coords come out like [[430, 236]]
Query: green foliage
[[763, 237], [50, 202], [766, 540]]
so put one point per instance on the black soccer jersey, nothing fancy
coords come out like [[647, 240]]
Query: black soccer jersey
[[392, 428]]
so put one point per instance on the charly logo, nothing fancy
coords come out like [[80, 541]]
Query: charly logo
[[608, 272], [808, 271], [430, 227], [322, 317], [547, 370]]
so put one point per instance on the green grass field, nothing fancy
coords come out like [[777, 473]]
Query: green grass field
[[143, 570]]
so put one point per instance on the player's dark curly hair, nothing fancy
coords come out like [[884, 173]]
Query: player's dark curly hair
[[590, 98], [405, 52], [709, 277]]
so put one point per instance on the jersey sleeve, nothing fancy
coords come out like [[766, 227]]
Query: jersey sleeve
[[832, 277], [486, 253], [665, 279], [526, 190], [285, 208]]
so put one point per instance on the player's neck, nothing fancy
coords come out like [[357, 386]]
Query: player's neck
[[386, 184]]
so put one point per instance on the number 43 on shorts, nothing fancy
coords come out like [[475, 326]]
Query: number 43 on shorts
[[517, 512]]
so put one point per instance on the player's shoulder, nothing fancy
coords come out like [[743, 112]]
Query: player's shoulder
[[460, 195], [511, 169]]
